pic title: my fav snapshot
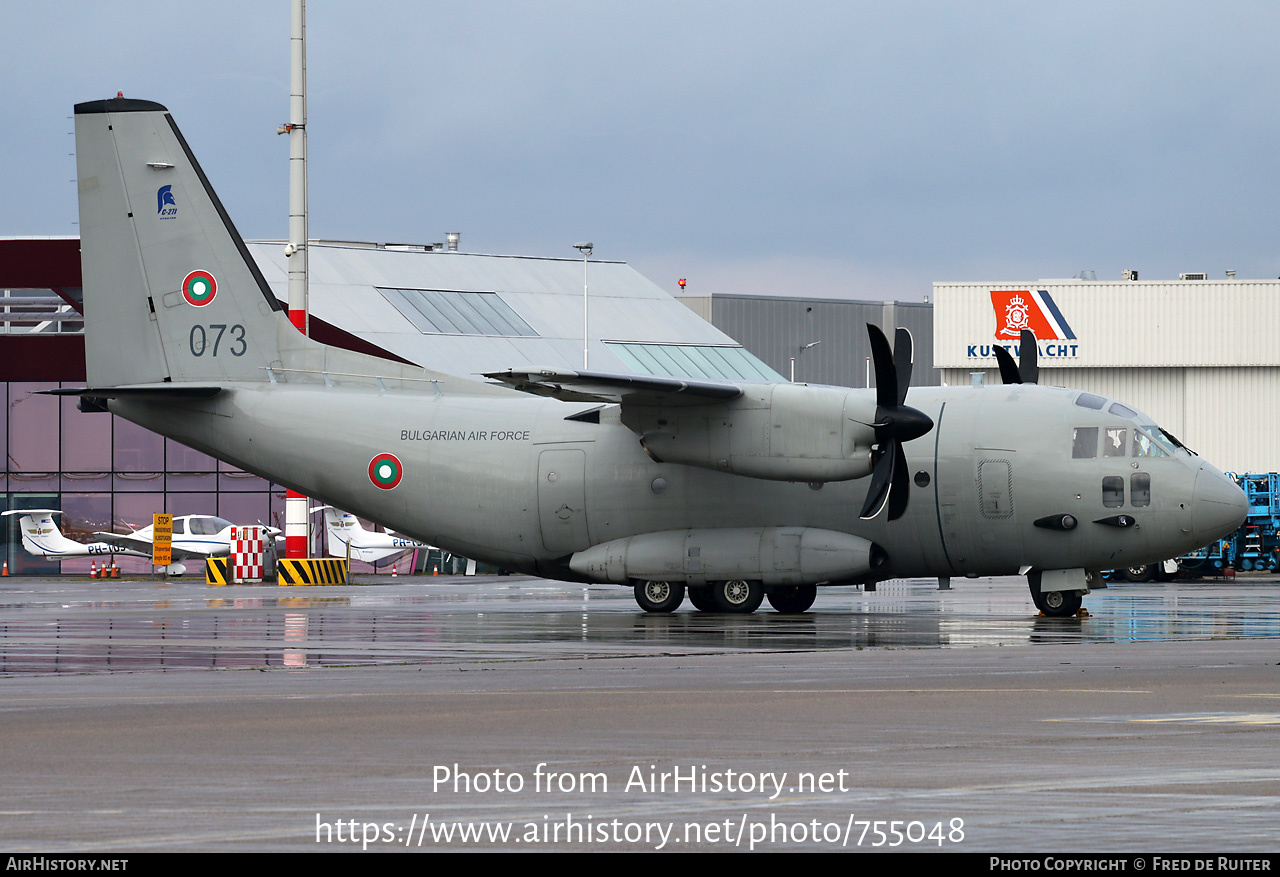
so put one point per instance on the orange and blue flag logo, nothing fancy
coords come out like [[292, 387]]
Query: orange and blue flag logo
[[1018, 309]]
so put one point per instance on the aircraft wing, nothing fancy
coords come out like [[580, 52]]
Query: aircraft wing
[[133, 542], [584, 386], [130, 542]]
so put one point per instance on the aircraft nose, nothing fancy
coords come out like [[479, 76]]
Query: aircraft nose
[[1218, 506]]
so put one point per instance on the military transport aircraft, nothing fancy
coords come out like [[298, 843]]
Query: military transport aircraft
[[728, 492], [194, 537], [346, 538]]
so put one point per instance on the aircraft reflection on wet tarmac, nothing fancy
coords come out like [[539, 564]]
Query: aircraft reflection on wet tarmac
[[62, 626]]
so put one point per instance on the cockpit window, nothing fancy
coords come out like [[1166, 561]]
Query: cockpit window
[[208, 526], [1122, 410], [1113, 441], [1088, 400], [179, 526], [1147, 445], [1084, 442]]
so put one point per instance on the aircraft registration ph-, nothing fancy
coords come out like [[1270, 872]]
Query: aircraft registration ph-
[[195, 537], [726, 492], [347, 538]]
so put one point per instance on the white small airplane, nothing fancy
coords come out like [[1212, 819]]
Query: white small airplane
[[346, 538], [195, 537], [41, 537]]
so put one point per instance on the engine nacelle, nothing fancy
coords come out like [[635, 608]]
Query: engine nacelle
[[782, 432], [772, 555]]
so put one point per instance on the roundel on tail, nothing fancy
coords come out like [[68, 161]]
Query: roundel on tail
[[199, 288], [385, 471]]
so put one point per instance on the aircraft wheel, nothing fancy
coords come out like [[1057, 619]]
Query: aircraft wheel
[[792, 599], [659, 596], [738, 596], [1060, 604], [1142, 572], [701, 599]]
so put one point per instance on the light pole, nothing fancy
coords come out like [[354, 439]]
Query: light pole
[[585, 249]]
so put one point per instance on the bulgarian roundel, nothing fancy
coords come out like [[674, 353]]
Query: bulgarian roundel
[[199, 288], [385, 471]]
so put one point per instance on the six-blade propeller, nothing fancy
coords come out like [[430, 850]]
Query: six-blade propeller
[[1025, 370], [895, 423]]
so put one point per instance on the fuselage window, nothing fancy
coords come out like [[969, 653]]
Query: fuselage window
[[1084, 442], [1113, 491], [1139, 489], [1113, 444], [179, 526], [1088, 400]]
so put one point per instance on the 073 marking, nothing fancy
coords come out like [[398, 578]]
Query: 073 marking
[[202, 339]]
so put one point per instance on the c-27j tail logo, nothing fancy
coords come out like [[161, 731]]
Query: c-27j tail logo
[[166, 206], [1018, 309]]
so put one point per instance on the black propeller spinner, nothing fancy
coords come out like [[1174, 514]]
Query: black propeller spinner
[[895, 423], [1026, 371]]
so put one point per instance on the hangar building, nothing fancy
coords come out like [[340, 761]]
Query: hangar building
[[1199, 356]]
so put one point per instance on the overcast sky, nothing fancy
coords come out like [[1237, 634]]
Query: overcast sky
[[856, 149]]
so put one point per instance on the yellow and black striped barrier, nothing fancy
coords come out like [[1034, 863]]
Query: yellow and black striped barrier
[[312, 571], [215, 571]]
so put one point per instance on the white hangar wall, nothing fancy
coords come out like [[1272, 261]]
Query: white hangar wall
[[1201, 357]]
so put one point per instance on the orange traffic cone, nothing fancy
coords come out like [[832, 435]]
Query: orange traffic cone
[[115, 570], [6, 569], [436, 570], [93, 569], [393, 570]]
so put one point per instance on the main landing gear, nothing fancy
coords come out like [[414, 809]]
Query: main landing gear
[[736, 596], [1056, 604]]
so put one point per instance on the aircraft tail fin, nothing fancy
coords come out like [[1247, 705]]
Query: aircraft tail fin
[[171, 293], [41, 537]]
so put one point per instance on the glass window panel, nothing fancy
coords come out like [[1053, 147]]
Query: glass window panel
[[1140, 489], [180, 458], [701, 361], [86, 438], [191, 481], [1113, 491], [1088, 400], [1084, 442], [1113, 442], [246, 509], [191, 504], [83, 514], [4, 432], [1145, 445], [138, 481], [237, 480], [135, 449], [21, 563], [86, 482], [1122, 410], [33, 427], [458, 313]]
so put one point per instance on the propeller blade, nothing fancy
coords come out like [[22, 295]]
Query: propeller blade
[[900, 489], [886, 373], [902, 363], [1027, 353], [1009, 373], [878, 492]]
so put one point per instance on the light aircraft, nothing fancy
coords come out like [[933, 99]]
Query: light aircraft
[[41, 537], [346, 538], [194, 537], [728, 492]]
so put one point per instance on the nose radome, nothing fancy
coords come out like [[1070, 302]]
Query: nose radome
[[1219, 505]]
